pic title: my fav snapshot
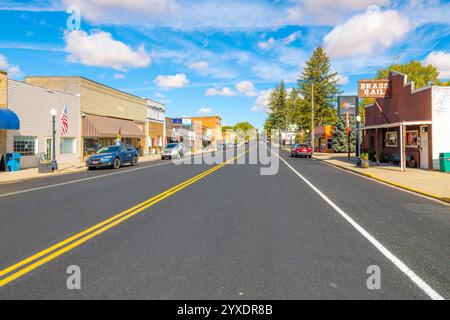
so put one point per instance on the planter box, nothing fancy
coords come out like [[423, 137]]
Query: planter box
[[44, 168]]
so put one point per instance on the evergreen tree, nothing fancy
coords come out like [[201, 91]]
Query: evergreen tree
[[339, 140], [278, 107], [294, 105], [318, 71]]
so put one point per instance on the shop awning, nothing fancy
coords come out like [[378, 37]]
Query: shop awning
[[97, 126], [9, 120]]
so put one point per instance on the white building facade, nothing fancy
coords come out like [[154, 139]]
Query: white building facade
[[156, 126], [32, 105]]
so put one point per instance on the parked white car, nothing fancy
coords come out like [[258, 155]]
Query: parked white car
[[174, 151]]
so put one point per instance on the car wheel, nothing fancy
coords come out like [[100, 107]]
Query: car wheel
[[116, 164], [90, 168], [135, 161]]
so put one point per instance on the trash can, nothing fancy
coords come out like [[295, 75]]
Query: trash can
[[13, 161], [444, 161]]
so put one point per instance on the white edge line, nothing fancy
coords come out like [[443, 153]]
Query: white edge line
[[396, 261]]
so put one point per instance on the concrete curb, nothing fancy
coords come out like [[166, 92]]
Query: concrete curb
[[370, 176]]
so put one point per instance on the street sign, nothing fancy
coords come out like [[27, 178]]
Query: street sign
[[374, 88], [187, 122], [347, 104]]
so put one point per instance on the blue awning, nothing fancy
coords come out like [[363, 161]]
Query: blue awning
[[9, 120]]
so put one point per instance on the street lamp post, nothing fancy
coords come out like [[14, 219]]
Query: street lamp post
[[312, 117], [53, 112], [358, 136]]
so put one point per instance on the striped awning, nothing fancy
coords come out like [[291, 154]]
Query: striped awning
[[97, 126]]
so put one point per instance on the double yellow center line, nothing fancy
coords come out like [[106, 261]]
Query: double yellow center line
[[14, 272]]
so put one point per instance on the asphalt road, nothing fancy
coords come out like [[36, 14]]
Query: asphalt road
[[310, 231]]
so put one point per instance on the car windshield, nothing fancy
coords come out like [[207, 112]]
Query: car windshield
[[171, 146], [303, 146], [109, 149]]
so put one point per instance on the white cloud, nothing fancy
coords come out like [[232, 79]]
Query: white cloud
[[261, 102], [366, 33], [326, 12], [225, 91], [101, 50], [13, 70], [117, 11], [177, 81], [440, 60], [201, 65], [266, 45], [182, 15], [246, 88], [203, 111], [292, 37], [119, 76], [341, 80]]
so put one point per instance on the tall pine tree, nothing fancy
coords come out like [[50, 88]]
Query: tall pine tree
[[278, 107], [326, 90]]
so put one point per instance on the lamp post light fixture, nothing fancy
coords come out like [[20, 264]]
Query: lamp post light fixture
[[358, 139], [53, 113]]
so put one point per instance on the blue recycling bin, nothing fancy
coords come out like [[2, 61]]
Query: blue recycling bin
[[13, 161]]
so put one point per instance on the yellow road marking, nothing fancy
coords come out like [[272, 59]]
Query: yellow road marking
[[98, 229]]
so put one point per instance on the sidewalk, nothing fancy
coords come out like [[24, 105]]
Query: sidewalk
[[65, 168], [429, 183]]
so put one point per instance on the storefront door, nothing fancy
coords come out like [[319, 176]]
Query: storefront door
[[48, 148], [424, 148]]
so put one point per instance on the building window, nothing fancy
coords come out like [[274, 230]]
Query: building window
[[412, 138], [26, 146], [391, 139], [67, 146]]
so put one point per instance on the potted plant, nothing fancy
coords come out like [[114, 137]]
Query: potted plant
[[365, 160], [44, 165]]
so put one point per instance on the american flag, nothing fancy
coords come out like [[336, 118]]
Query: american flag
[[64, 122]]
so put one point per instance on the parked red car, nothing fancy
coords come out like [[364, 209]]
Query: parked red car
[[301, 150]]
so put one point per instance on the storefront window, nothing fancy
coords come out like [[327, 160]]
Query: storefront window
[[26, 146], [67, 145], [391, 139], [412, 138]]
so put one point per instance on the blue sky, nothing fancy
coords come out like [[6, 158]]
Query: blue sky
[[218, 57]]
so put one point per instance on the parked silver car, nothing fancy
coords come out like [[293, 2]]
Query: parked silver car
[[174, 151]]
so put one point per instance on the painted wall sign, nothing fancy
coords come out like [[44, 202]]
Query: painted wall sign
[[374, 88]]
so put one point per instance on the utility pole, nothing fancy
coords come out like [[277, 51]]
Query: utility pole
[[312, 117]]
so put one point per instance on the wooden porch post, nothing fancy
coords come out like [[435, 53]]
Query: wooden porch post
[[403, 148], [377, 144]]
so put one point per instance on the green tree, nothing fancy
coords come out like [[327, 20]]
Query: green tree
[[339, 140], [278, 107], [294, 104], [326, 90], [416, 71], [245, 130]]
